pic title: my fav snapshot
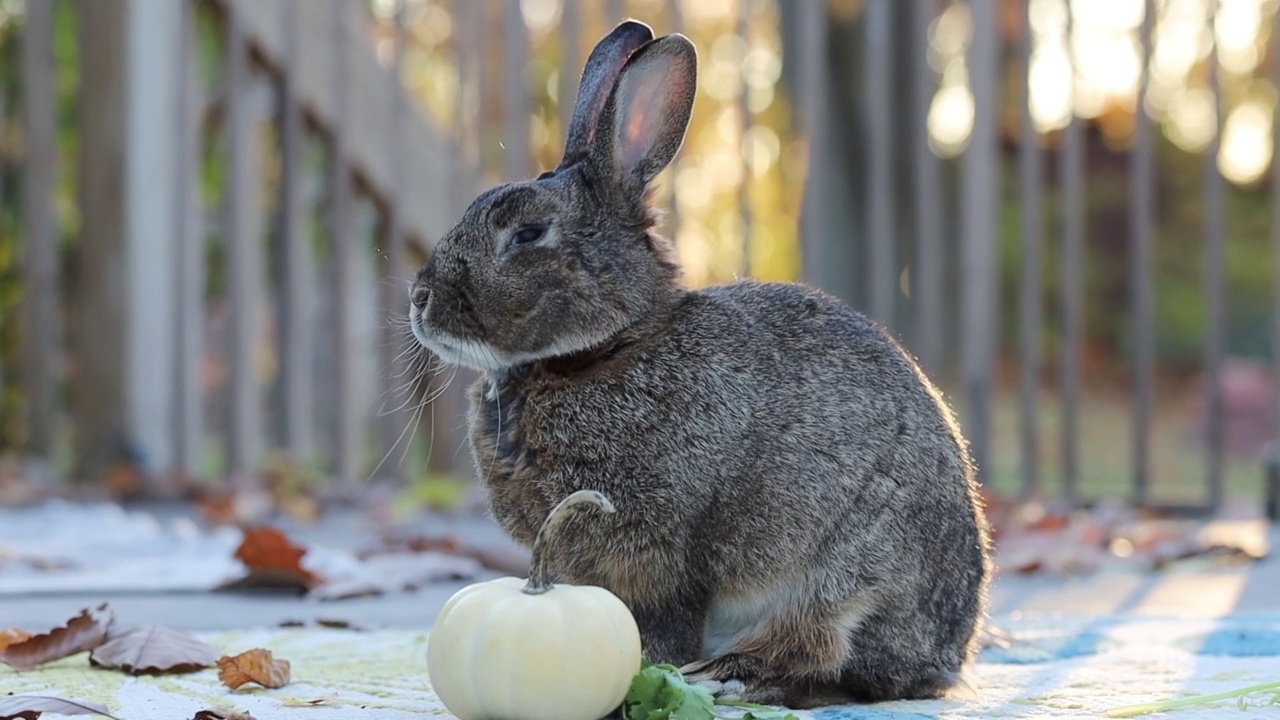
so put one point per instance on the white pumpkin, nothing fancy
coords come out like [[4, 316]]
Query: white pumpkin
[[508, 649]]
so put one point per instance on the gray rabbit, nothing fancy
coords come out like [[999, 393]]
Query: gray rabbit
[[797, 517]]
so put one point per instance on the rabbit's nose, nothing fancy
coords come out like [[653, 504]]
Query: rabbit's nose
[[419, 296]]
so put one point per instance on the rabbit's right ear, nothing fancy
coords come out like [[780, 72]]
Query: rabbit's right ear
[[644, 122], [598, 78]]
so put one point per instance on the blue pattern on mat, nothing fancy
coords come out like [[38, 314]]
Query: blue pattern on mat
[[1023, 651], [1243, 641]]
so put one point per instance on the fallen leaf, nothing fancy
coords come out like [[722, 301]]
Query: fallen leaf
[[335, 624], [272, 561], [308, 702], [396, 573], [255, 666], [418, 543], [153, 649], [508, 560], [85, 631], [222, 715], [12, 635], [502, 558], [233, 507], [29, 707]]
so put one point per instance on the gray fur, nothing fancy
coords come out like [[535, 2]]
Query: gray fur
[[797, 513]]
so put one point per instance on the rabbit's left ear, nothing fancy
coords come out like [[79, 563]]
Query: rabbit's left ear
[[648, 113]]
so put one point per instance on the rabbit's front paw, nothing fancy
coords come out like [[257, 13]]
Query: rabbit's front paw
[[726, 676], [733, 689]]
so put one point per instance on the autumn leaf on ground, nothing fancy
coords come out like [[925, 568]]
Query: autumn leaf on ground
[[255, 666], [505, 559], [29, 707], [222, 715], [85, 631], [308, 702], [153, 649], [396, 573], [272, 561], [12, 635], [338, 624]]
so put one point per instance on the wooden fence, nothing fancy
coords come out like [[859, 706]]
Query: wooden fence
[[978, 247], [289, 78]]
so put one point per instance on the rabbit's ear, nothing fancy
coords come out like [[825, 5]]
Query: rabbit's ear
[[598, 78], [649, 111]]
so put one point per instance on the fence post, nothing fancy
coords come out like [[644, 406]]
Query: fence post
[[882, 208], [189, 276], [347, 450], [296, 346], [243, 258], [1216, 311], [152, 88], [97, 336], [926, 284], [41, 321], [979, 193], [515, 57], [123, 340], [1029, 173], [1141, 220], [393, 337], [815, 220], [1071, 171]]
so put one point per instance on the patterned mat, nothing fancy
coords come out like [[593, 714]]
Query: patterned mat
[[1054, 667]]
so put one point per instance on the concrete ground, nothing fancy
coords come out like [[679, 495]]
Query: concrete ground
[[1192, 589]]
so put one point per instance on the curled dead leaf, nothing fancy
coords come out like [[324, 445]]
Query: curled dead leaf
[[222, 715], [153, 649], [12, 635], [30, 707], [85, 631], [272, 561], [256, 666], [308, 702]]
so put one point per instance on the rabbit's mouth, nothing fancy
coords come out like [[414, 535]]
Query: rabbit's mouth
[[455, 351]]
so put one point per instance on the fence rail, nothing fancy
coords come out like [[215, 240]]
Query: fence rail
[[916, 158]]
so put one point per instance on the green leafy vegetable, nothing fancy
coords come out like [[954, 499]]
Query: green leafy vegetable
[[660, 692], [1238, 694]]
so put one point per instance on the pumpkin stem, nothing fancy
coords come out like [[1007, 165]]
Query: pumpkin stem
[[540, 569]]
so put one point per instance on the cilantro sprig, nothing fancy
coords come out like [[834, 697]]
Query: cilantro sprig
[[660, 692]]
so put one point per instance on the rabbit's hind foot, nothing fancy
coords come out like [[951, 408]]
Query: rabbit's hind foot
[[744, 677]]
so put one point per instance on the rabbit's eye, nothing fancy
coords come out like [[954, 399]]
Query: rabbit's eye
[[528, 234]]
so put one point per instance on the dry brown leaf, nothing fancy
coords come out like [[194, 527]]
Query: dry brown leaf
[[339, 624], [153, 649], [504, 559], [222, 715], [308, 702], [30, 707], [508, 560], [272, 561], [85, 631], [255, 666], [12, 635]]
